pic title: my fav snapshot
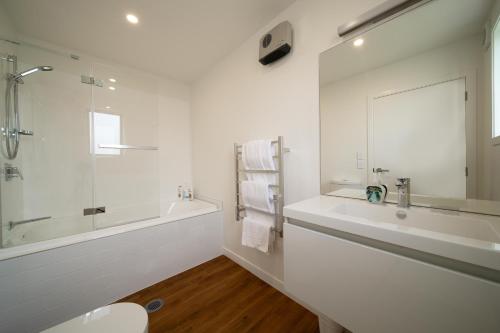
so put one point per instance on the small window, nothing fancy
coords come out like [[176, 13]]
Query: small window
[[496, 84], [106, 132]]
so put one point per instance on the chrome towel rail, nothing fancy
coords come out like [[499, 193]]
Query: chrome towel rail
[[12, 224], [286, 150], [258, 171], [279, 188], [270, 185]]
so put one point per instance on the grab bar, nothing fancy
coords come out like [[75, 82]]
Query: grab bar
[[12, 224], [129, 147]]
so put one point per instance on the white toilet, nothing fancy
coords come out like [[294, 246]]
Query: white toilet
[[118, 317]]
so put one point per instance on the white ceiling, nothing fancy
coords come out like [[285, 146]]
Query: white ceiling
[[430, 26], [179, 39]]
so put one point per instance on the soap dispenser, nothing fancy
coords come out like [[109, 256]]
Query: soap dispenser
[[376, 192]]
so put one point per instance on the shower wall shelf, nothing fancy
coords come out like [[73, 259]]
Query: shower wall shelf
[[129, 147], [278, 188]]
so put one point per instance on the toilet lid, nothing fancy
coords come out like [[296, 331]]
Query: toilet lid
[[118, 317]]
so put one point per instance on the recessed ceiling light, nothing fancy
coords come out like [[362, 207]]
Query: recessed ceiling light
[[108, 107], [132, 18], [112, 80], [358, 42], [112, 88]]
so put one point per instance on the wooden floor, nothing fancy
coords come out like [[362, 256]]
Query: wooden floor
[[221, 296]]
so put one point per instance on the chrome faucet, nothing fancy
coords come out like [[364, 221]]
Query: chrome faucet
[[403, 185]]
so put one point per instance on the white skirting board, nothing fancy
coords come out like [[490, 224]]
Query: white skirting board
[[255, 270], [326, 325]]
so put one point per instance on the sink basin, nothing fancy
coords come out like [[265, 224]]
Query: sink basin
[[446, 222], [465, 237]]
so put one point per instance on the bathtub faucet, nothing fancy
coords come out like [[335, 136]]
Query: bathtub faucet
[[403, 185]]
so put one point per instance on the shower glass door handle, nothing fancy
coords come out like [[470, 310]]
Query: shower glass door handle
[[25, 132]]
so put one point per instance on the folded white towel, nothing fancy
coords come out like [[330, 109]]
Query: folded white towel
[[257, 195], [257, 231], [258, 155]]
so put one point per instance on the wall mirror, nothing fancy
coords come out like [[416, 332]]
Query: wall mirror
[[415, 97]]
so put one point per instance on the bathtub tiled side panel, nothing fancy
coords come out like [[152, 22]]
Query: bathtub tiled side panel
[[42, 289]]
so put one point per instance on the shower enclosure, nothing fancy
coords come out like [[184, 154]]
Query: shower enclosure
[[79, 145]]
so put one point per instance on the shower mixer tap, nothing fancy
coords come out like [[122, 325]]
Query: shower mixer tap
[[12, 172]]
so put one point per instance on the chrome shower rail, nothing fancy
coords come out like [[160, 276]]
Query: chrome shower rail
[[12, 224], [279, 188], [12, 125]]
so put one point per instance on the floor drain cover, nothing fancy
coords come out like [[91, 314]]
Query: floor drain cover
[[154, 305]]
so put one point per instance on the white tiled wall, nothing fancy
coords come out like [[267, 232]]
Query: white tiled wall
[[45, 288]]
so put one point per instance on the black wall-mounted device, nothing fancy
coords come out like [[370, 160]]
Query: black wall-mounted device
[[276, 44]]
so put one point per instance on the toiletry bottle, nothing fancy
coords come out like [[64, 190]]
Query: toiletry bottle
[[190, 194], [376, 192], [180, 192], [185, 192]]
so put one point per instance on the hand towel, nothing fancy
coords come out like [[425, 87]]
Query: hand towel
[[257, 195], [257, 231], [258, 155]]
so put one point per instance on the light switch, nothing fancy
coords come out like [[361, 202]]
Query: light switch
[[361, 164], [360, 160]]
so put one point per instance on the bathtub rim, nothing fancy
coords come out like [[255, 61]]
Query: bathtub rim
[[49, 244]]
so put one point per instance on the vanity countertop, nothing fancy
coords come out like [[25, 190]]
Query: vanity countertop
[[466, 237]]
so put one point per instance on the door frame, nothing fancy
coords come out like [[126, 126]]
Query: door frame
[[470, 77]]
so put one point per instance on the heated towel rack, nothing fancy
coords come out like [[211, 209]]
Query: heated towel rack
[[278, 188]]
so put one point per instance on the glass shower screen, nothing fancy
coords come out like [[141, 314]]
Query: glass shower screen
[[45, 185], [87, 154], [125, 132]]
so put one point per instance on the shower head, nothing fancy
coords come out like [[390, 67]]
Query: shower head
[[18, 76]]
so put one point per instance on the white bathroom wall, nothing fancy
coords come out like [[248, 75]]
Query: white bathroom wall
[[174, 138], [6, 27], [344, 104], [240, 100], [489, 154]]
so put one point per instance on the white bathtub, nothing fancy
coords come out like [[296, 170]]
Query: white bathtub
[[55, 280], [42, 235]]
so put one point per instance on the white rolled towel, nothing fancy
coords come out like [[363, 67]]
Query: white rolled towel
[[257, 195], [258, 155]]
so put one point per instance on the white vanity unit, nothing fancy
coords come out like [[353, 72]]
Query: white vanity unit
[[406, 109], [383, 269]]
